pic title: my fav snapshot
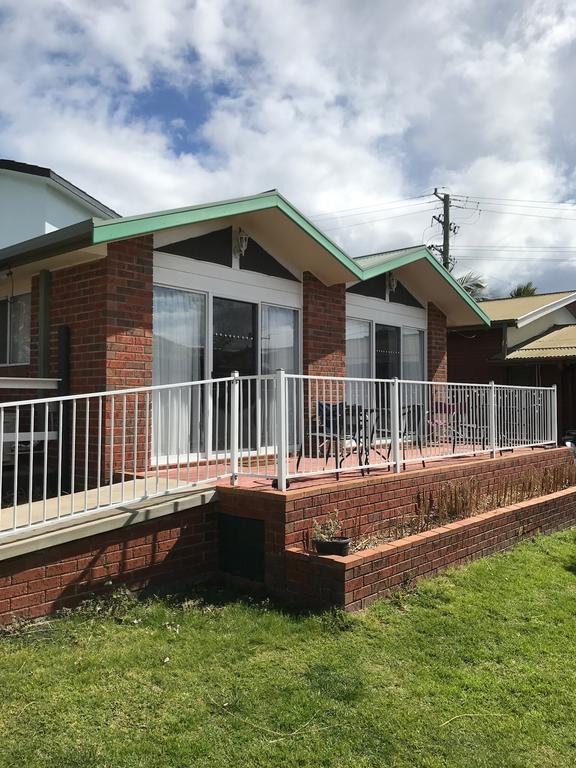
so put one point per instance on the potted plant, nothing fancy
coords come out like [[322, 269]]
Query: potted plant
[[326, 539]]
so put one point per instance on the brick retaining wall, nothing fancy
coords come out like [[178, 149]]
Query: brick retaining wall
[[184, 546], [355, 581], [178, 547]]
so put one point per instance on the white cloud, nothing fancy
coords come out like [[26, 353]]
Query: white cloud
[[339, 104]]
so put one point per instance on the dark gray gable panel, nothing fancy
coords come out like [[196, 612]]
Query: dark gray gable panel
[[402, 295], [215, 247], [256, 259], [375, 288]]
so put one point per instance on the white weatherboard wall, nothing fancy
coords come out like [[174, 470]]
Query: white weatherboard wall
[[32, 205], [519, 335]]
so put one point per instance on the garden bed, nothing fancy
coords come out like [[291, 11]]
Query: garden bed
[[468, 498], [357, 580]]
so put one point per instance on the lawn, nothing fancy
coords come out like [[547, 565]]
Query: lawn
[[473, 668]]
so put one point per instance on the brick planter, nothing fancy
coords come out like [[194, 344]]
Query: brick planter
[[355, 581]]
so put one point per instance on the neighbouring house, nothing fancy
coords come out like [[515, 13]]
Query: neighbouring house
[[33, 201], [531, 341]]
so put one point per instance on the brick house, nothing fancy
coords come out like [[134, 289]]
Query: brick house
[[247, 285], [139, 483], [531, 342]]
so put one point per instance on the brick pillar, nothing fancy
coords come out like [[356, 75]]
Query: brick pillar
[[324, 328], [128, 348], [128, 308], [437, 357]]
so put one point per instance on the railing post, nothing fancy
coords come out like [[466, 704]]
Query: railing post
[[492, 419], [395, 423], [281, 428], [554, 415], [234, 425]]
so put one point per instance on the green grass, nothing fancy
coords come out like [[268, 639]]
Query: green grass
[[474, 668]]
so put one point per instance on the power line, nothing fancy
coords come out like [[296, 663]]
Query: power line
[[515, 199], [514, 247], [517, 213], [383, 218], [370, 205], [376, 210], [519, 258]]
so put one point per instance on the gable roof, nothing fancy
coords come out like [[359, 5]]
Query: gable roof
[[269, 214], [559, 342], [525, 309], [46, 173]]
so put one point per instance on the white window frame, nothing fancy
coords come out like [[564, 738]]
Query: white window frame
[[401, 328], [209, 351]]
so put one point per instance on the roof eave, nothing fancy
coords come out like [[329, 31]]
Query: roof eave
[[55, 243], [424, 253], [536, 314]]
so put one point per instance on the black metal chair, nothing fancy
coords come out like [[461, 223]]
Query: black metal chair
[[333, 427]]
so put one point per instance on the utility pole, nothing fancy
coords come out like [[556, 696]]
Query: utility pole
[[444, 220]]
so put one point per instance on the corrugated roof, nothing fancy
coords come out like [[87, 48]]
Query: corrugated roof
[[559, 342], [500, 310], [375, 259]]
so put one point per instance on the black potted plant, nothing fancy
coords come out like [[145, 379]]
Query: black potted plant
[[326, 539]]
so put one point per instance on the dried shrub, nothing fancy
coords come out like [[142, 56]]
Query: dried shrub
[[466, 498]]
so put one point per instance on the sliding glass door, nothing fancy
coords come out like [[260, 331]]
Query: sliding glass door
[[234, 348], [387, 351], [246, 337]]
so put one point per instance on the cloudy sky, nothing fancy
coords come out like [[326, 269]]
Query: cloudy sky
[[353, 109]]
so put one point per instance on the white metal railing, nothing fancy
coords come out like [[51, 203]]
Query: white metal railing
[[344, 424], [65, 456]]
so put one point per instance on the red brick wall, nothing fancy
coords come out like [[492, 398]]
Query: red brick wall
[[356, 581], [176, 548], [108, 306], [78, 301], [363, 504], [324, 327], [469, 352], [129, 297], [436, 345]]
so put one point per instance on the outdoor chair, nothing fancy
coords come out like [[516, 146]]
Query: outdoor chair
[[334, 428]]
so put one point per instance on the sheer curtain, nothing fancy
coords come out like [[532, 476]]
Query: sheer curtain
[[20, 329], [412, 354], [178, 356], [279, 345], [358, 349]]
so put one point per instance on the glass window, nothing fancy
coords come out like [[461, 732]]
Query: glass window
[[412, 354], [387, 338], [358, 349], [279, 339], [15, 330], [4, 331]]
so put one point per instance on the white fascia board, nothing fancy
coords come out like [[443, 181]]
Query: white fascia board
[[536, 314]]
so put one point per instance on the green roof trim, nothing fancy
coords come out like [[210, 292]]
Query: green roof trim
[[416, 254], [117, 229], [97, 231]]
